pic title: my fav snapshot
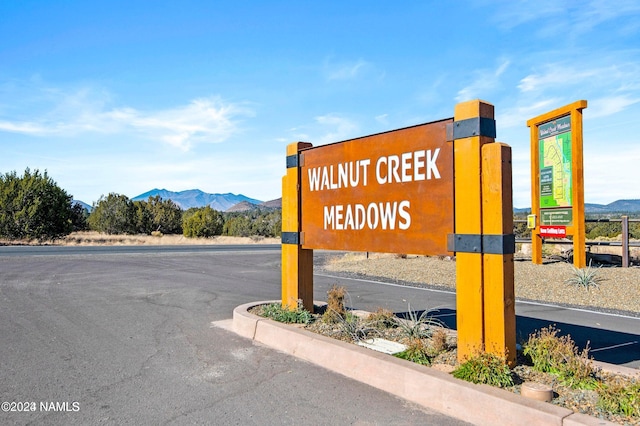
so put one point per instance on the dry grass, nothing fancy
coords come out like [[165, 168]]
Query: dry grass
[[91, 238]]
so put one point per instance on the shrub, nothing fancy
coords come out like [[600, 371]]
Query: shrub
[[336, 310], [280, 313], [382, 318], [559, 355], [485, 368], [620, 397], [417, 351], [439, 342]]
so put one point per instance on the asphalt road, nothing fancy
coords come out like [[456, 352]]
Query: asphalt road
[[125, 336]]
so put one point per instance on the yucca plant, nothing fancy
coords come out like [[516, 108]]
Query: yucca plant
[[354, 327], [585, 277], [417, 326]]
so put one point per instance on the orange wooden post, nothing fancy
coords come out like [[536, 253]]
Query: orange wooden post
[[536, 239], [579, 231], [469, 120], [498, 248], [297, 263]]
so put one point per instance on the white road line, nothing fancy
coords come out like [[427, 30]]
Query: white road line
[[614, 346], [524, 302]]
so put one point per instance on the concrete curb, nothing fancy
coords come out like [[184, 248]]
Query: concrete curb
[[439, 391]]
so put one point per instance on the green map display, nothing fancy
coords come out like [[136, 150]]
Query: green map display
[[555, 171]]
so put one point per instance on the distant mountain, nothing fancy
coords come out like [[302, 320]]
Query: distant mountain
[[242, 206], [273, 204], [525, 210], [619, 206], [624, 206], [246, 206], [196, 198]]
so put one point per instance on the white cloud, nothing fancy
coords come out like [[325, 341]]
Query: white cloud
[[519, 115], [325, 129], [485, 81], [340, 128], [345, 70], [610, 105], [567, 18], [562, 74], [382, 119], [203, 120]]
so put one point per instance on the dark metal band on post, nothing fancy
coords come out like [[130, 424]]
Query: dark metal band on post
[[293, 160], [478, 126], [291, 238], [486, 244]]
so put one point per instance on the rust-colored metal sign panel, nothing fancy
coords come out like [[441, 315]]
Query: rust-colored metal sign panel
[[392, 192]]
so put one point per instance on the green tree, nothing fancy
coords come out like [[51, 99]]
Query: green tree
[[115, 214], [79, 217], [33, 206], [144, 218], [267, 223], [166, 215], [157, 214], [238, 226], [202, 222]]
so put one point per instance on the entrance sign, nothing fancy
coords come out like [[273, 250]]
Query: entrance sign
[[391, 192], [437, 188], [557, 182]]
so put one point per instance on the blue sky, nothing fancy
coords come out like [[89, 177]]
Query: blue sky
[[126, 96]]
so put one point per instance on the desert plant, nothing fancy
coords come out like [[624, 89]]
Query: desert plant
[[417, 351], [336, 310], [585, 277], [485, 368], [353, 326], [559, 355], [281, 313], [382, 318], [417, 326], [620, 397], [439, 342]]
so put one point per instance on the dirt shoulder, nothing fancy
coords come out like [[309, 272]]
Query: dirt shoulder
[[90, 238]]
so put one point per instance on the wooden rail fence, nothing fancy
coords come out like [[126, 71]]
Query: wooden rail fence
[[625, 244]]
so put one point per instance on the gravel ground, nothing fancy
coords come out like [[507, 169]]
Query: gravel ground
[[619, 290]]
